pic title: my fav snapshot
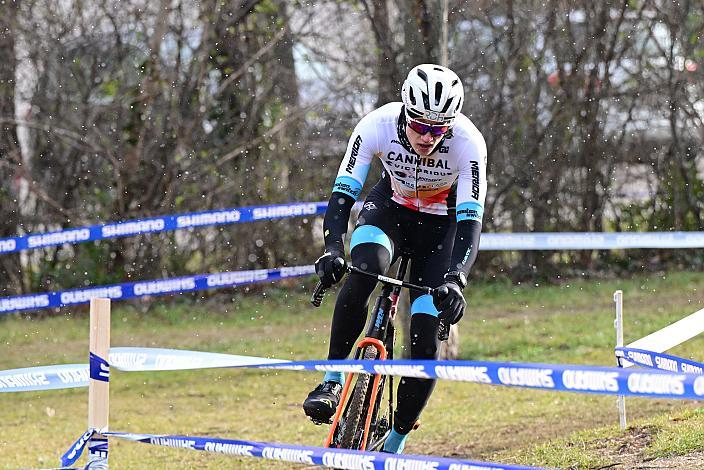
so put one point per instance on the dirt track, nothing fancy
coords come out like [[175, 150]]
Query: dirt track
[[627, 452]]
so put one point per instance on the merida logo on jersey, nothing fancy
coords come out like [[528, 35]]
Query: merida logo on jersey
[[353, 155], [475, 180], [416, 160]]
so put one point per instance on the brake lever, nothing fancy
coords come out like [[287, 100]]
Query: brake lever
[[443, 328]]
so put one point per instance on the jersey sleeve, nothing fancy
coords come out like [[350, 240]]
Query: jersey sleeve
[[358, 158], [471, 182], [348, 184], [471, 193]]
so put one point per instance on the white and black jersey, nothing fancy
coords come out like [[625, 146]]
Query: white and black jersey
[[451, 181]]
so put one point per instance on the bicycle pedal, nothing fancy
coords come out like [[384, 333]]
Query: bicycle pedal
[[318, 422]]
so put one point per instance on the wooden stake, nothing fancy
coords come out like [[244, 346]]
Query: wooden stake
[[99, 383], [618, 323]]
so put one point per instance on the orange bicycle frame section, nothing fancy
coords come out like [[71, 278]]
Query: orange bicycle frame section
[[381, 355]]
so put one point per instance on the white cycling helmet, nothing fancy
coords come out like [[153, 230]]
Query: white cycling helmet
[[432, 92]]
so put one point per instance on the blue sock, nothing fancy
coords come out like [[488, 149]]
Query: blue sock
[[395, 442], [334, 377]]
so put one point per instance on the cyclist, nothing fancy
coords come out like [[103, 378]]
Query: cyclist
[[429, 201]]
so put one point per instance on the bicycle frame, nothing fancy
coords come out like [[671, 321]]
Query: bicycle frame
[[378, 344], [380, 334]]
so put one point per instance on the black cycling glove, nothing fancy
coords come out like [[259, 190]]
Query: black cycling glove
[[449, 301], [331, 267]]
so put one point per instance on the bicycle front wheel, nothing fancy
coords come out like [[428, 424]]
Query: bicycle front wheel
[[353, 432]]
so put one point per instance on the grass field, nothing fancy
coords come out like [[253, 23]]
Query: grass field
[[569, 323]]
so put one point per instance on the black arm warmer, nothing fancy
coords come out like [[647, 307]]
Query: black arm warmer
[[337, 216], [464, 252]]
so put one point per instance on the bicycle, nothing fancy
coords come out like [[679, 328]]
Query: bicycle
[[357, 423]]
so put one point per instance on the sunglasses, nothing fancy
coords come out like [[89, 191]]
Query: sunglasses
[[422, 129]]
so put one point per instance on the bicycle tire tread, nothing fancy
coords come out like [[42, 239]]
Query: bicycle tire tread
[[357, 409]]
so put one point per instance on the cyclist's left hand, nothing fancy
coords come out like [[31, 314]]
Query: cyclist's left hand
[[449, 301]]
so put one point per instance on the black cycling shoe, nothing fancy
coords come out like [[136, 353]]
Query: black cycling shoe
[[322, 402]]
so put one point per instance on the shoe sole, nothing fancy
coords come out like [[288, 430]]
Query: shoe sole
[[316, 414]]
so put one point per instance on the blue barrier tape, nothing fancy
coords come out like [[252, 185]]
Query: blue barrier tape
[[559, 377], [44, 378], [99, 446], [660, 361], [590, 241], [160, 224], [336, 458], [130, 359], [97, 453], [200, 282], [74, 452], [489, 241], [99, 368], [149, 288], [124, 359]]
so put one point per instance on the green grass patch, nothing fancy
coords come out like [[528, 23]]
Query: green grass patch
[[654, 442], [567, 323]]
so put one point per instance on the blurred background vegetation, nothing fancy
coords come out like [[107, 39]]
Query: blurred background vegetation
[[592, 112]]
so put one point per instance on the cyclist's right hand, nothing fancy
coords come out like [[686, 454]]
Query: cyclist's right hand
[[331, 267]]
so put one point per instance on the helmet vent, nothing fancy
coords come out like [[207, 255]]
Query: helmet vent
[[438, 92], [446, 107]]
